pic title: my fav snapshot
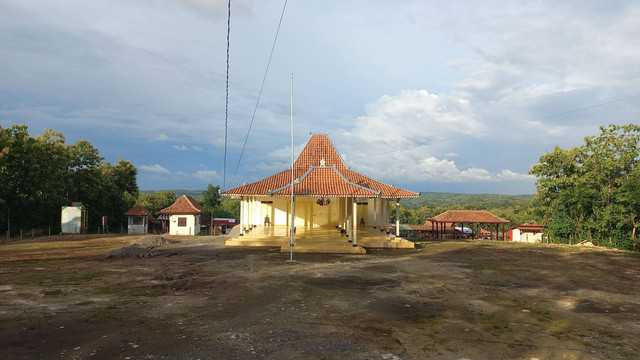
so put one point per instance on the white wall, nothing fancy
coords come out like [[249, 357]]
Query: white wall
[[192, 226], [308, 213], [137, 229], [528, 237]]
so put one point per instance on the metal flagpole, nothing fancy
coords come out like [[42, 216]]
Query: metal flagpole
[[292, 179]]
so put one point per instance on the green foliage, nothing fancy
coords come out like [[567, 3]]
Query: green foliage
[[479, 201], [156, 201], [591, 192], [516, 208], [40, 174], [229, 208], [211, 197]]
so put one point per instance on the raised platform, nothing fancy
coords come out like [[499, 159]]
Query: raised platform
[[318, 240]]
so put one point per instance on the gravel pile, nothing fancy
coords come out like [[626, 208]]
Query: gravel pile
[[142, 247], [152, 241], [133, 251]]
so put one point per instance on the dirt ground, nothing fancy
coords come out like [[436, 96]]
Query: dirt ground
[[61, 298]]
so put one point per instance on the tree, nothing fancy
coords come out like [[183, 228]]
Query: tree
[[156, 201], [211, 197], [32, 174], [610, 159], [229, 208], [592, 186], [40, 174], [630, 194]]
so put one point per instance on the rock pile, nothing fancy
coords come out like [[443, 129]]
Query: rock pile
[[133, 251], [145, 246], [152, 241]]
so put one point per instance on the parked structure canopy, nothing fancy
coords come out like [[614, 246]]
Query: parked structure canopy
[[465, 217]]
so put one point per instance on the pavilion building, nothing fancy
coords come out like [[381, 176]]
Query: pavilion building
[[327, 194]]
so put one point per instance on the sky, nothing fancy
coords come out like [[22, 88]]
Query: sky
[[455, 96]]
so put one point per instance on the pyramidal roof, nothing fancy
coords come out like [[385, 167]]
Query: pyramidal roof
[[184, 205], [320, 171], [138, 210]]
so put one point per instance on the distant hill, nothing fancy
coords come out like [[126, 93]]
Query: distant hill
[[192, 193], [480, 201]]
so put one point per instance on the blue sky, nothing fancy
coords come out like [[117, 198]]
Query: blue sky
[[429, 96]]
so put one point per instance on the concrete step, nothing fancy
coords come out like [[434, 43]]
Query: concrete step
[[255, 242], [324, 248], [397, 243]]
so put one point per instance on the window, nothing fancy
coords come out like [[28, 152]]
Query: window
[[182, 221], [136, 220]]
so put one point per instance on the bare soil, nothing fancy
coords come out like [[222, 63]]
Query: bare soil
[[62, 298]]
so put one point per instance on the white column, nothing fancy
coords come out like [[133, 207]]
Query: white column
[[246, 212], [348, 218], [375, 211], [249, 212], [345, 220], [256, 211], [243, 217], [355, 223], [386, 213], [397, 217]]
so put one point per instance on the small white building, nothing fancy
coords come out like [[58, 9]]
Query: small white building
[[530, 233], [138, 219], [184, 216]]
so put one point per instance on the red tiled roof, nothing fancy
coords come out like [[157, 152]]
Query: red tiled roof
[[206, 220], [325, 181], [468, 216], [321, 172], [184, 205], [138, 210], [531, 227], [428, 226]]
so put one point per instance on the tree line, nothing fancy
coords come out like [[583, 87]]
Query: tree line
[[38, 175], [210, 199], [519, 212], [592, 192]]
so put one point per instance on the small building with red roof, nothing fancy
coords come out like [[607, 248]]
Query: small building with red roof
[[183, 217], [138, 220], [327, 194], [531, 233]]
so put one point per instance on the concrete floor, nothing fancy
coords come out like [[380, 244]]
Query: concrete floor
[[319, 240]]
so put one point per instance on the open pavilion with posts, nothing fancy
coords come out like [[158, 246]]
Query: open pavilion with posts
[[444, 224]]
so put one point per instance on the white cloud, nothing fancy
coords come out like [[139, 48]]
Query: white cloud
[[474, 81], [510, 175], [432, 169], [155, 168], [414, 117], [160, 137], [207, 175]]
